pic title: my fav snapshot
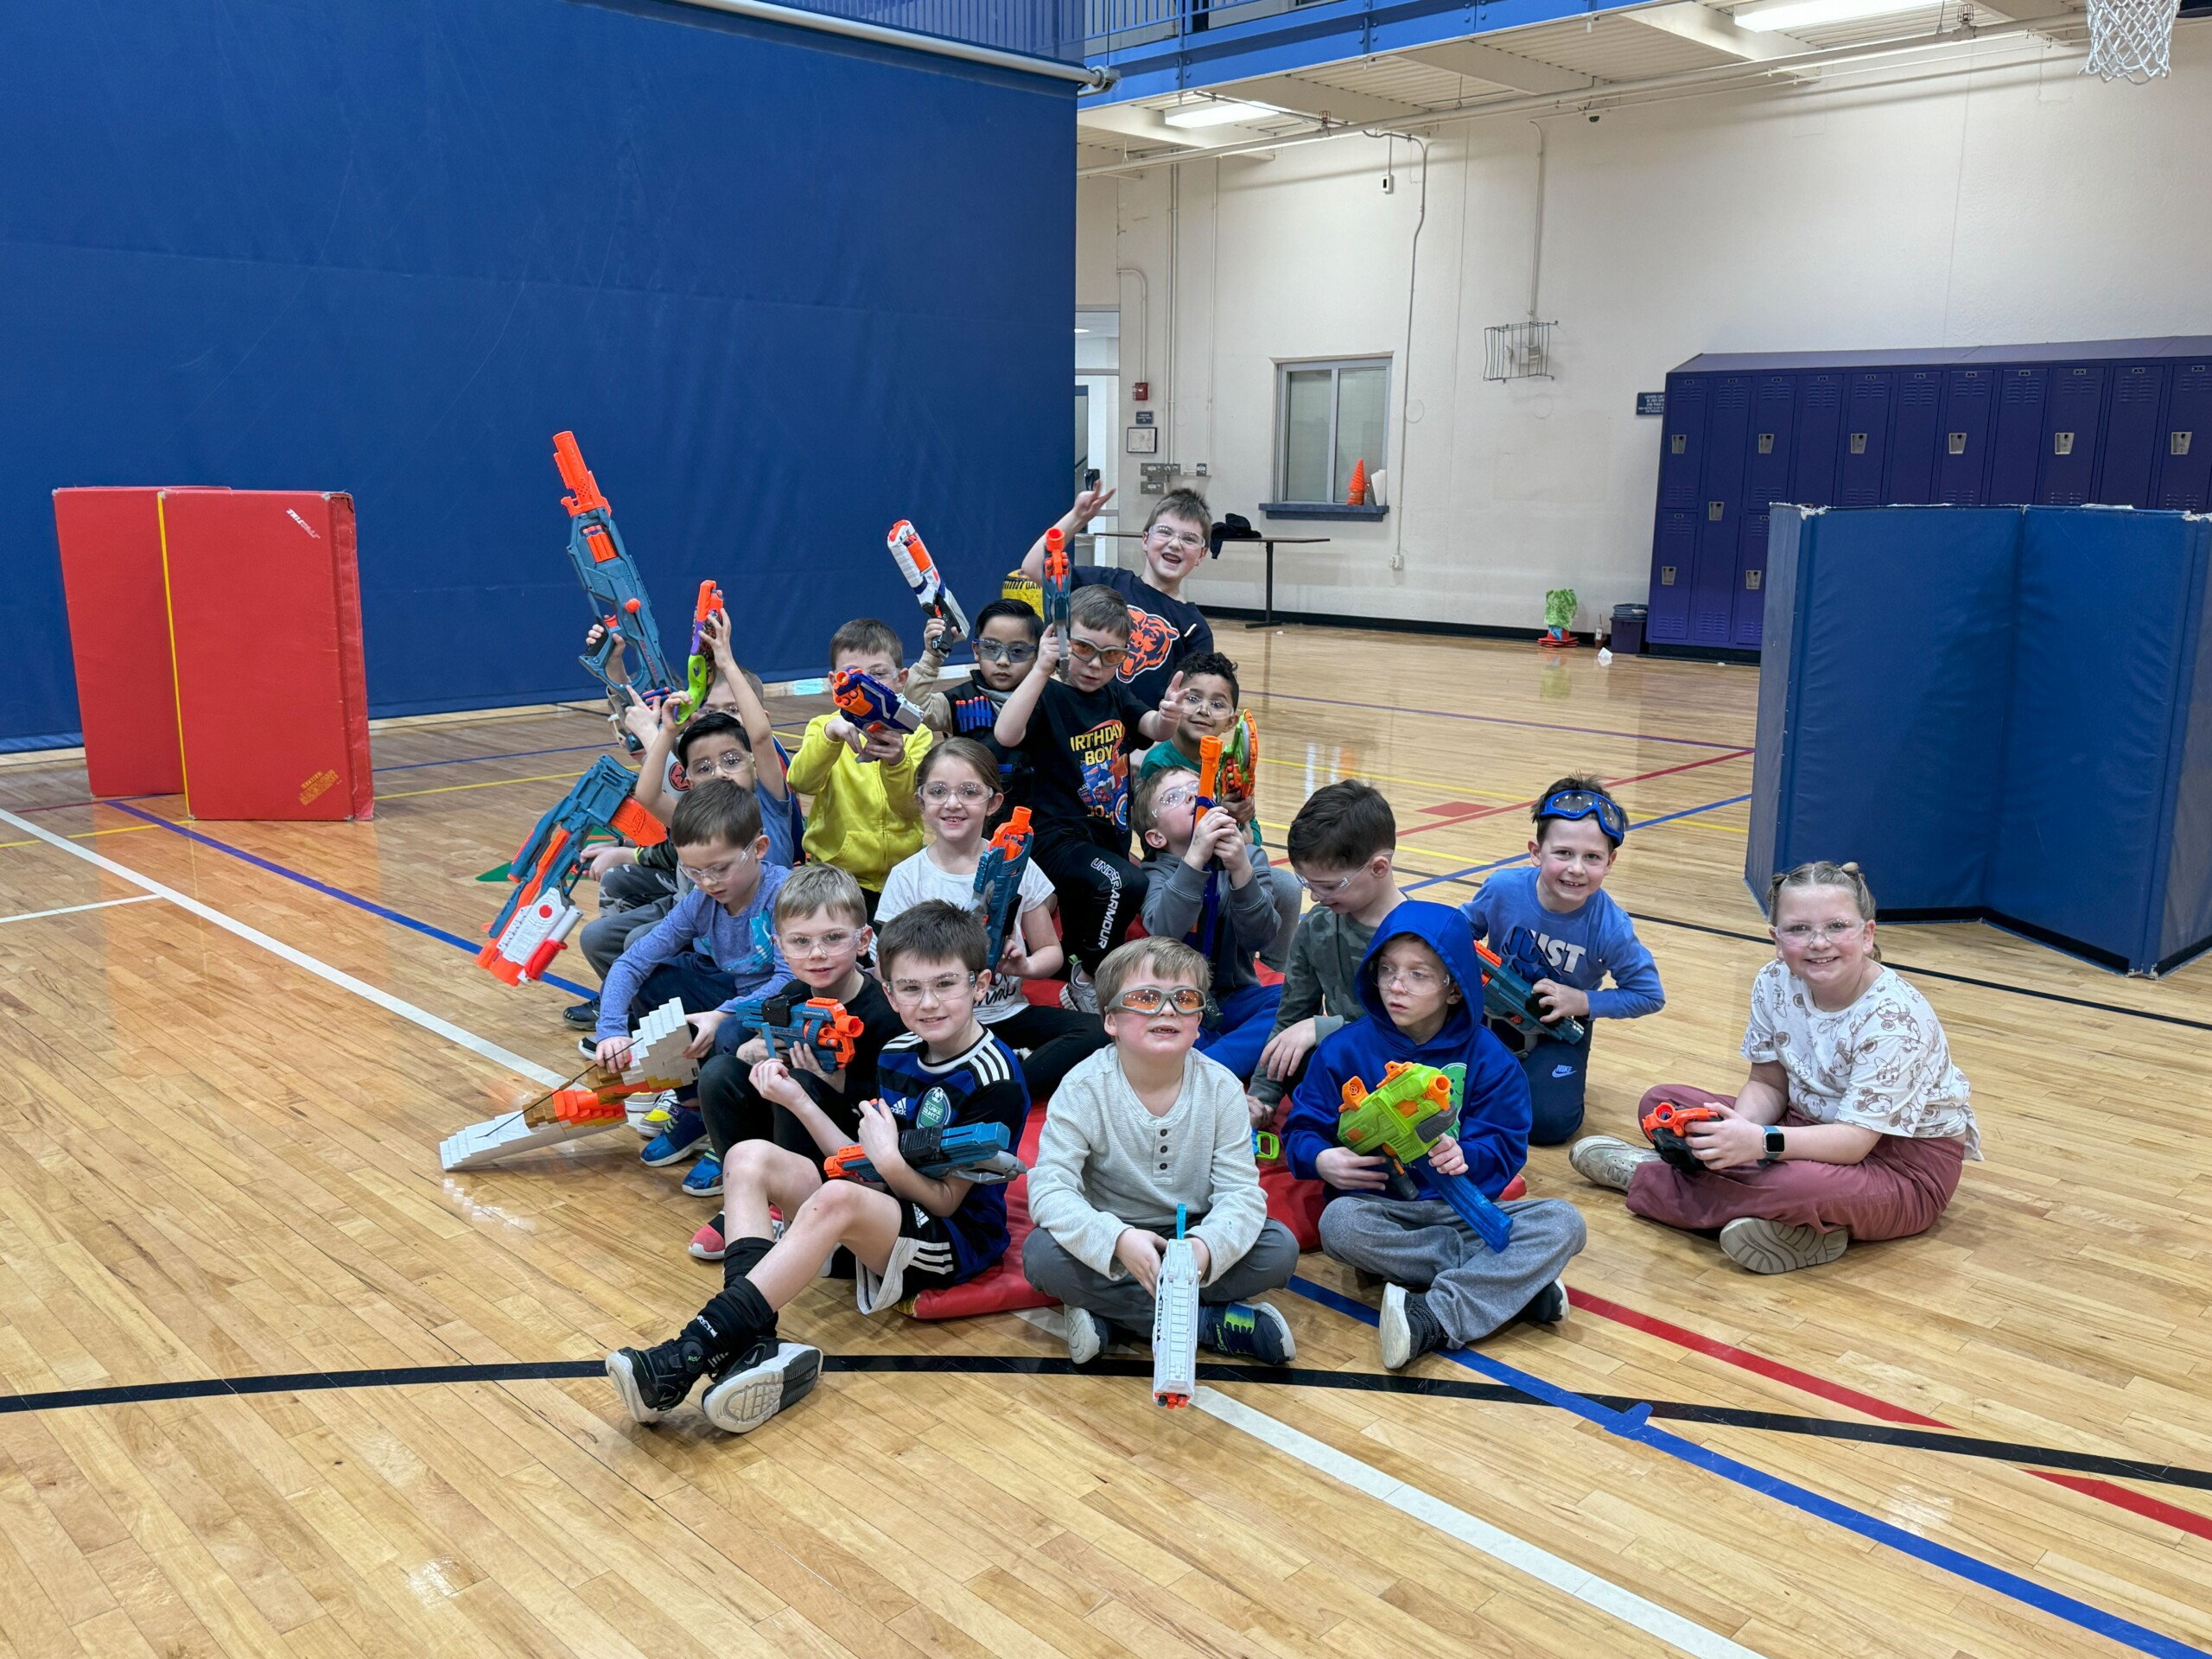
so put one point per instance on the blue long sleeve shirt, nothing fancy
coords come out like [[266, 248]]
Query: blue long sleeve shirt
[[740, 943], [1579, 947]]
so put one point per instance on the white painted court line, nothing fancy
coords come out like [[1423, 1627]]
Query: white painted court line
[[72, 910], [1499, 1545], [385, 1000]]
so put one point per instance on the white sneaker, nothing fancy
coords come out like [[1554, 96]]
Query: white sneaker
[[1081, 995], [760, 1384], [1766, 1246], [1607, 1160], [1086, 1335], [649, 1114]]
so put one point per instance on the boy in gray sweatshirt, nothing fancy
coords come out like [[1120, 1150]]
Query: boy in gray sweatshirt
[[1208, 886], [1135, 1131], [1341, 844]]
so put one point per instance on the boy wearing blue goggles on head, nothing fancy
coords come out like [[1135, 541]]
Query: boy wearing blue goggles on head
[[1554, 925]]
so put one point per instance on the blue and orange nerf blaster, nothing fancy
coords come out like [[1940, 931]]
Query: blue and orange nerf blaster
[[1512, 1002], [1056, 589], [1401, 1120], [702, 659], [920, 571], [788, 1019], [975, 1152], [535, 923], [870, 704], [612, 584], [998, 882]]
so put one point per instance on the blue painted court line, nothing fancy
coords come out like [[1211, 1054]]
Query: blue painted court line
[[339, 894], [1496, 720], [1515, 858], [1635, 1425]]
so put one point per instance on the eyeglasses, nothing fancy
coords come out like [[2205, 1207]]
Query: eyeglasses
[[939, 794], [806, 945], [1176, 795], [1325, 889], [943, 988], [1415, 978], [1587, 803], [714, 871], [1084, 652], [1803, 932], [1155, 999], [1198, 702], [998, 650], [1160, 536], [729, 763]]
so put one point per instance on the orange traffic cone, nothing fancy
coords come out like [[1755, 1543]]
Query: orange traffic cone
[[1356, 496]]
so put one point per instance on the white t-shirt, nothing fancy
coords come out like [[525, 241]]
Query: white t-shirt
[[913, 879], [1882, 1063]]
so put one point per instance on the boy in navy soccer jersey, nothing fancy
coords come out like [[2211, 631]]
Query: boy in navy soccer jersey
[[922, 1233]]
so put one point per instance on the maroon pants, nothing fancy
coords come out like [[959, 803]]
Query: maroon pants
[[1897, 1191]]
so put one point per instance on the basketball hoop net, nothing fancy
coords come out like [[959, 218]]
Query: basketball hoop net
[[2129, 39]]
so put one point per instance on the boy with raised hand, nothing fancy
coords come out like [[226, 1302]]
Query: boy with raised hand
[[1007, 632], [1341, 845], [1207, 885], [820, 923], [864, 818], [715, 947], [1164, 626], [1077, 733], [1423, 989], [1211, 695], [918, 1233], [1136, 1132], [1554, 926]]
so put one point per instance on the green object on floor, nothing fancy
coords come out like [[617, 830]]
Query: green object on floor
[[505, 872]]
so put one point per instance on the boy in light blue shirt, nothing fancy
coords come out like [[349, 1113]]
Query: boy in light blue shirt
[[1554, 926]]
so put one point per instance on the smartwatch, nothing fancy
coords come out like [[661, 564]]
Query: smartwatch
[[1773, 1143]]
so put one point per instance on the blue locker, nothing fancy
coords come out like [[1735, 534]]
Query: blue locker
[[2072, 416], [1681, 452], [1865, 438], [1673, 555], [1962, 454], [1774, 420], [1913, 440], [1819, 423], [2132, 428], [1719, 530], [1750, 610], [2185, 458], [2019, 437]]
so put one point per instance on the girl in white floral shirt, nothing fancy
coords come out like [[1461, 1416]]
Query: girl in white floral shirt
[[1854, 1121]]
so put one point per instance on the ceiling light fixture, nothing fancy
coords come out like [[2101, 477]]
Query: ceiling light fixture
[[1768, 15], [1216, 112]]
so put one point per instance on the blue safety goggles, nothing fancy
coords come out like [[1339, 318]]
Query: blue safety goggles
[[1584, 804]]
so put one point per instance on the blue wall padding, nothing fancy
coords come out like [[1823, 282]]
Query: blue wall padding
[[1998, 712], [785, 289], [1885, 713]]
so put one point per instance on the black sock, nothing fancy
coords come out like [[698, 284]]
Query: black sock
[[732, 1322], [741, 1257]]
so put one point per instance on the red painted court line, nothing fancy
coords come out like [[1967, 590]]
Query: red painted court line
[[2104, 1490], [1459, 819]]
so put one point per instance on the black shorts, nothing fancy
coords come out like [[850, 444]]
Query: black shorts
[[922, 1259]]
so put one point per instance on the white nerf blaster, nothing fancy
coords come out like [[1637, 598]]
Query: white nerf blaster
[[1175, 1322], [920, 571]]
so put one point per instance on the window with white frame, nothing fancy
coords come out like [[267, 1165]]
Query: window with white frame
[[1330, 416]]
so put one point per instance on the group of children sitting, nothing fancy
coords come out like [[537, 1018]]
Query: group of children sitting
[[1160, 1055]]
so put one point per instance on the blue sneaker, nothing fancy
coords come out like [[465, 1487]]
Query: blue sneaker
[[1247, 1331], [686, 1133], [704, 1179]]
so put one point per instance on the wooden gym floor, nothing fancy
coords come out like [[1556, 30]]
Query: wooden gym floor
[[231, 1050]]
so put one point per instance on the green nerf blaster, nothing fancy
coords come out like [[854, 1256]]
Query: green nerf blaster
[[1412, 1111]]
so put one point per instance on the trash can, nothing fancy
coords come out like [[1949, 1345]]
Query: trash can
[[1628, 629]]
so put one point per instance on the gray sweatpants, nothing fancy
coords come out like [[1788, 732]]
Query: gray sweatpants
[[1124, 1302], [631, 900], [1289, 897], [1421, 1244]]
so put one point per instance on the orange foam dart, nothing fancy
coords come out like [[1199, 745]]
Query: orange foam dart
[[1356, 496]]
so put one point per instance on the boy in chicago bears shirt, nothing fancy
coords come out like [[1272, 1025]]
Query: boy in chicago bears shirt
[[917, 1233], [1554, 926]]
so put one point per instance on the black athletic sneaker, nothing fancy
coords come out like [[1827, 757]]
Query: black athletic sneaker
[[1409, 1330], [581, 1016], [653, 1381], [1247, 1331], [1547, 1305], [763, 1380]]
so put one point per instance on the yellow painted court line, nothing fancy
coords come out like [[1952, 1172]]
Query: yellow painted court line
[[86, 835], [489, 783]]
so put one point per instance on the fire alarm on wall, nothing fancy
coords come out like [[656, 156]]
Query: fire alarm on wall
[[1141, 391]]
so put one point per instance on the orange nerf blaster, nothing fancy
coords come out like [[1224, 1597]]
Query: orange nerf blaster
[[1056, 589], [920, 571], [703, 660]]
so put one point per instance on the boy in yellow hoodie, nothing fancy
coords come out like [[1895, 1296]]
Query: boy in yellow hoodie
[[865, 819]]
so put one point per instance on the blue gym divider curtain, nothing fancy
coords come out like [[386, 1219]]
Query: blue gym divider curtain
[[785, 287]]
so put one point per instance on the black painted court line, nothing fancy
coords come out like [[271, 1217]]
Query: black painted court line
[[1968, 1446]]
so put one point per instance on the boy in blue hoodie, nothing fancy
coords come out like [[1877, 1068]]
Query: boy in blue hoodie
[[1446, 1288], [1554, 926]]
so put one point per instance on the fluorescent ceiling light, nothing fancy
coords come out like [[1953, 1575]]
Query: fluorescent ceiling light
[[1770, 15], [1083, 331], [1216, 112]]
